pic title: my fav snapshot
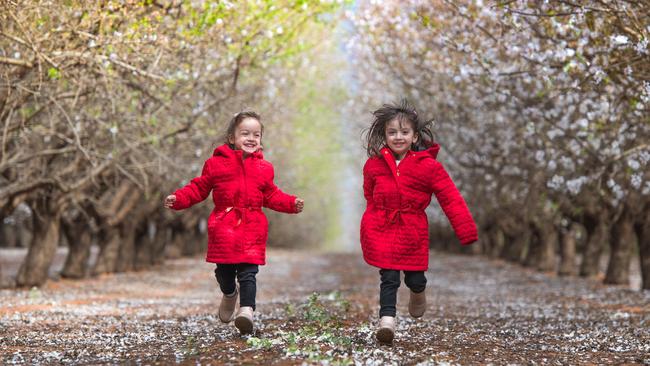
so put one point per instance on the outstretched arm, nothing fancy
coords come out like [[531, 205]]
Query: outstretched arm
[[194, 192], [454, 206], [279, 201]]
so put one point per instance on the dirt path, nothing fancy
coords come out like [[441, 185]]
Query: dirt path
[[480, 311]]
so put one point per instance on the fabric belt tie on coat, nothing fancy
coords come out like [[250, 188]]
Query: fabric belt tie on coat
[[240, 211], [394, 215]]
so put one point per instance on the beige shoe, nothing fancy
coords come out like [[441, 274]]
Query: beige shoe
[[227, 306], [244, 320], [417, 303], [386, 331]]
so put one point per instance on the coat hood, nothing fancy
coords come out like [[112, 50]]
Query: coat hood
[[432, 150]]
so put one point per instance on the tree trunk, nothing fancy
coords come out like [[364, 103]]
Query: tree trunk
[[25, 233], [79, 241], [162, 239], [533, 254], [642, 228], [515, 247], [34, 270], [568, 251], [108, 253], [144, 245], [497, 241], [548, 248], [8, 236], [620, 256], [541, 249], [126, 256], [597, 236]]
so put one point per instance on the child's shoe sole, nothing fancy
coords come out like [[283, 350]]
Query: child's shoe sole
[[244, 325], [385, 335]]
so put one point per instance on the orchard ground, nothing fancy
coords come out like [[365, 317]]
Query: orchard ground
[[321, 308]]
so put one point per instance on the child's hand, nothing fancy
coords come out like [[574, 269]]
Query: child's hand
[[300, 204], [170, 200]]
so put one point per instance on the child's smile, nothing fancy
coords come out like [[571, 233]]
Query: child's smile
[[399, 137], [247, 136]]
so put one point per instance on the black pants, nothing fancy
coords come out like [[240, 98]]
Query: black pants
[[390, 281], [245, 274]]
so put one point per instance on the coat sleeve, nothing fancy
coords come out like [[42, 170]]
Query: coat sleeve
[[454, 206], [368, 183], [196, 190], [275, 199]]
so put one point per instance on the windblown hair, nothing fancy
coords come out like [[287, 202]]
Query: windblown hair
[[404, 113], [236, 120]]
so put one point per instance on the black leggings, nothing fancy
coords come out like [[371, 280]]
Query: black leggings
[[390, 281], [245, 274]]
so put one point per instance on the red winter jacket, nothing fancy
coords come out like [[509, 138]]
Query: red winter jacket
[[394, 227], [237, 227]]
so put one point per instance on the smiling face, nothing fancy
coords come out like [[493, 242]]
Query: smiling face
[[247, 136], [399, 137]]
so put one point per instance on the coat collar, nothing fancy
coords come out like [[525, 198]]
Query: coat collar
[[389, 158], [226, 151], [431, 151]]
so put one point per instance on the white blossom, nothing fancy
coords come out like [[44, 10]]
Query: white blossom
[[642, 46], [636, 180], [619, 40], [574, 185], [556, 182], [634, 164]]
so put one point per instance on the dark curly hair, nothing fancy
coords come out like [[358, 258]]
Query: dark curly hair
[[404, 113]]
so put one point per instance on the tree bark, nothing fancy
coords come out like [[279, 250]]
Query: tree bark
[[79, 241], [126, 257], [548, 248], [541, 253], [568, 251], [597, 236], [497, 242], [515, 247], [34, 270], [620, 256], [533, 254], [108, 253], [642, 228], [161, 240], [145, 243], [516, 235], [8, 236]]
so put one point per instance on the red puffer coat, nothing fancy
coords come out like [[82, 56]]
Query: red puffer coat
[[394, 227], [237, 227]]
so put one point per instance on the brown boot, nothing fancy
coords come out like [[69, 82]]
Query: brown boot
[[386, 330], [417, 303], [227, 306], [244, 320]]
